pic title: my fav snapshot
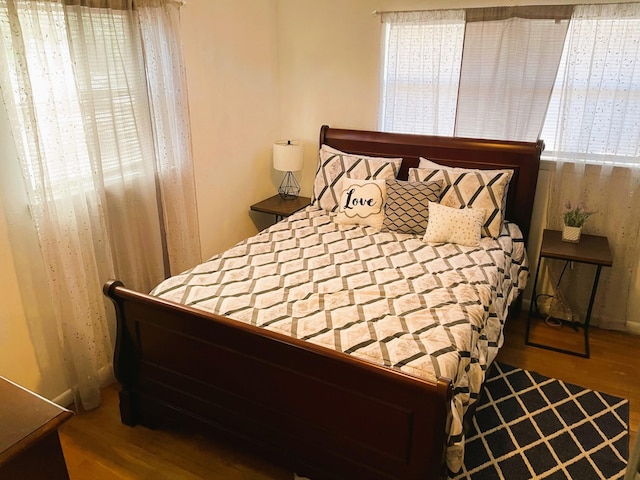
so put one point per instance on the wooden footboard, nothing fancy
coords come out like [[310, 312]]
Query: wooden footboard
[[322, 413]]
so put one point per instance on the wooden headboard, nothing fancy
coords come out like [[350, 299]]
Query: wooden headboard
[[521, 157]]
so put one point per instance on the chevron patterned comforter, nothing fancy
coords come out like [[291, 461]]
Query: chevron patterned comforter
[[385, 297]]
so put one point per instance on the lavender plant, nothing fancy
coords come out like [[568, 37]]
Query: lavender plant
[[576, 216]]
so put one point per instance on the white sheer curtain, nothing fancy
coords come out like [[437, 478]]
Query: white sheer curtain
[[510, 61], [421, 70], [75, 89], [594, 136], [463, 72], [166, 80]]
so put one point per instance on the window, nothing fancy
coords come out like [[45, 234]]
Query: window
[[594, 111], [103, 98], [421, 70], [591, 110]]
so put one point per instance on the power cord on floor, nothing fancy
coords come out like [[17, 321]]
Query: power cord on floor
[[548, 319]]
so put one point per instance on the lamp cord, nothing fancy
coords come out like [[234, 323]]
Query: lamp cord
[[549, 320]]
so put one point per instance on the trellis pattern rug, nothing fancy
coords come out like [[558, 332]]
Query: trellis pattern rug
[[530, 426]]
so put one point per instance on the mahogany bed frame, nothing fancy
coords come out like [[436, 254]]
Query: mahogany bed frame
[[322, 413]]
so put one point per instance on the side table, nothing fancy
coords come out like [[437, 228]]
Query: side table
[[29, 443], [591, 249], [281, 207]]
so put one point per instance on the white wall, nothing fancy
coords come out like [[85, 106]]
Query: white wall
[[231, 61], [17, 356], [38, 369], [329, 55]]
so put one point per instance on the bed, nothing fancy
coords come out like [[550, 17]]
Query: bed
[[346, 396]]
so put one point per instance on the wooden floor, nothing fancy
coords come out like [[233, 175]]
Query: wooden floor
[[97, 446]]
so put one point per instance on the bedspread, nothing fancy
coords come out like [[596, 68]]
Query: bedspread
[[385, 297]]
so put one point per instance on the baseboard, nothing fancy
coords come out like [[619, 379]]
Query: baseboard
[[66, 398], [632, 328]]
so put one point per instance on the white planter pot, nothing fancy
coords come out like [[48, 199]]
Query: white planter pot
[[571, 234]]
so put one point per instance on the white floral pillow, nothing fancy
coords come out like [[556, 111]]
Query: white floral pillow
[[335, 166], [485, 189], [454, 225], [362, 202]]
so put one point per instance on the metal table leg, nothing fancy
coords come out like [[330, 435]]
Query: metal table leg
[[587, 318]]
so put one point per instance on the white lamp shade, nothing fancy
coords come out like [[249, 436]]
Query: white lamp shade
[[288, 155]]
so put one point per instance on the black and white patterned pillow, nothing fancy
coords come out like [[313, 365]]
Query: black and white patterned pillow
[[431, 165], [474, 188], [407, 208], [335, 166]]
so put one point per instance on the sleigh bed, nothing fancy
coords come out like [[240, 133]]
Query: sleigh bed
[[305, 342]]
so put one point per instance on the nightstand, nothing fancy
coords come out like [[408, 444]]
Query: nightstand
[[591, 249], [280, 207], [29, 442]]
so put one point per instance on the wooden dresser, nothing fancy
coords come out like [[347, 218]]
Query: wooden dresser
[[29, 443]]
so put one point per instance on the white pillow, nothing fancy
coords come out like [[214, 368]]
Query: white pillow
[[454, 225], [471, 188], [362, 202], [426, 163], [335, 166], [430, 164]]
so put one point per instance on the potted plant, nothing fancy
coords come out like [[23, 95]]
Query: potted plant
[[574, 220]]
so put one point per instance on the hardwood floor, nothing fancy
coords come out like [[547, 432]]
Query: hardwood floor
[[97, 446]]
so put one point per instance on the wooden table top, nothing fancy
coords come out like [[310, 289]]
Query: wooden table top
[[25, 418], [277, 205], [591, 249]]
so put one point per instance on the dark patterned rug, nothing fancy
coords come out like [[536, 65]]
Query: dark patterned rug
[[530, 426]]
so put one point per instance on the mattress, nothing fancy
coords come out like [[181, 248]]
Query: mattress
[[427, 310]]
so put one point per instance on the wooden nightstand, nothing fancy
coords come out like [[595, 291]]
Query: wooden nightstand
[[591, 249], [280, 207], [29, 443]]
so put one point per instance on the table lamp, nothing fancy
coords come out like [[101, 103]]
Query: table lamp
[[288, 157]]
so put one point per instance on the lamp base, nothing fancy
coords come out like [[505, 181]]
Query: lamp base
[[289, 188]]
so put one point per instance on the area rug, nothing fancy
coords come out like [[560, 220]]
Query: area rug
[[528, 426]]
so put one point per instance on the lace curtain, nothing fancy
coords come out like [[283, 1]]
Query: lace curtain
[[93, 177], [166, 81], [421, 70], [596, 148]]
